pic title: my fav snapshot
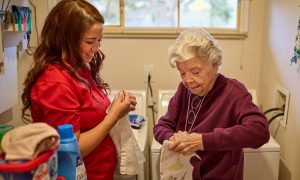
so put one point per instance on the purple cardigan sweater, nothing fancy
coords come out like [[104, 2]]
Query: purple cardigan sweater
[[228, 122]]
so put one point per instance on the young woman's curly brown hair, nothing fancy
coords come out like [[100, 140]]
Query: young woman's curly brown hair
[[60, 43]]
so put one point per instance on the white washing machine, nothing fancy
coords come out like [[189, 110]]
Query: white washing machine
[[259, 164], [262, 163]]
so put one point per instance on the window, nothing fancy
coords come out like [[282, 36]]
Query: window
[[165, 18]]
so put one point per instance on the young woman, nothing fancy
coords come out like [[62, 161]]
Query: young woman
[[64, 86]]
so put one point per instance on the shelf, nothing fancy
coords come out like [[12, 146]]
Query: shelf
[[12, 38]]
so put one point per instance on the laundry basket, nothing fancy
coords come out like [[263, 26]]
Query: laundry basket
[[44, 167]]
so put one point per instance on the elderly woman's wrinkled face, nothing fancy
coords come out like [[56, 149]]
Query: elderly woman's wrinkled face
[[198, 74]]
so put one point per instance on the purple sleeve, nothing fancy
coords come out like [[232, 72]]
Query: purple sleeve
[[251, 129], [166, 125]]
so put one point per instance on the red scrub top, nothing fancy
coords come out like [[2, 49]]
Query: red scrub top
[[58, 98]]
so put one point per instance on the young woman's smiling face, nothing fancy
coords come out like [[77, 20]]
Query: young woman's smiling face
[[198, 74], [91, 42]]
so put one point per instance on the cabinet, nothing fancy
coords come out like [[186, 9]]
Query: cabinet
[[8, 64], [8, 79], [8, 76]]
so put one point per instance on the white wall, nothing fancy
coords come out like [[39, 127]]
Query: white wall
[[281, 22]]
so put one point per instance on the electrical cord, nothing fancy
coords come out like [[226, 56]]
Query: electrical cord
[[149, 85], [274, 117], [2, 6], [272, 109], [7, 5], [30, 49], [149, 88], [275, 109]]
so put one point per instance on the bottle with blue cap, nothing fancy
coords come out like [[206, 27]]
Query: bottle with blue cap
[[70, 163]]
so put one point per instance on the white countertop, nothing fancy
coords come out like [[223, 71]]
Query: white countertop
[[141, 135]]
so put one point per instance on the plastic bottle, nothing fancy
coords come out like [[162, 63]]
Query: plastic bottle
[[70, 163]]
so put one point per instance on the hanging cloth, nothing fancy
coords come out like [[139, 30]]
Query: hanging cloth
[[296, 58]]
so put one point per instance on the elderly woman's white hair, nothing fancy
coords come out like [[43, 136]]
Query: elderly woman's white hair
[[195, 42]]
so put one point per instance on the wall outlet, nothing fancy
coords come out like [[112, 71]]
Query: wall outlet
[[281, 100], [148, 70]]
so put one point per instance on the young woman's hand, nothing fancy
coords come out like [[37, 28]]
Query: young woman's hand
[[122, 104], [133, 102]]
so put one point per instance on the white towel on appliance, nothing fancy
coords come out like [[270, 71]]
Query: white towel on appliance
[[130, 156]]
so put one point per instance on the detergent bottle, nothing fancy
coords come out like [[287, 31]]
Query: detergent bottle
[[70, 163]]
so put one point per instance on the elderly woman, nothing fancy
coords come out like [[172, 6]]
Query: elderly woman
[[210, 114]]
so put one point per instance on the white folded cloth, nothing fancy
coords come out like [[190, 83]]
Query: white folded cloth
[[130, 156], [174, 165]]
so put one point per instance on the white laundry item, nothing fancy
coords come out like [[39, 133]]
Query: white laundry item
[[174, 165], [130, 156]]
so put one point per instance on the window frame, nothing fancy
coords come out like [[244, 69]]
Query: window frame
[[131, 32]]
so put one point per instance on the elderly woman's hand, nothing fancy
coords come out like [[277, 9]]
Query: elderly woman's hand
[[185, 143]]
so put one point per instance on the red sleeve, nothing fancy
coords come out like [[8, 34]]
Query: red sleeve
[[56, 104]]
